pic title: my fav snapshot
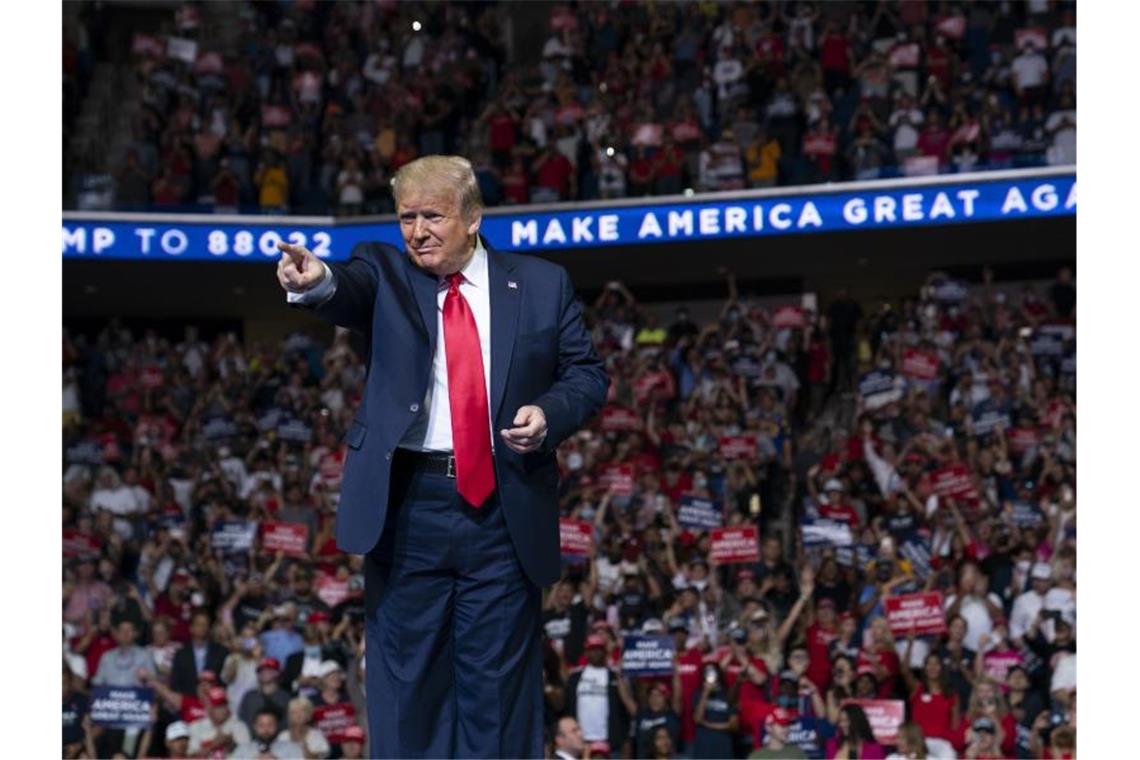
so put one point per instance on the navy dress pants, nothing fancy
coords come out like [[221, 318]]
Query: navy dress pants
[[454, 647]]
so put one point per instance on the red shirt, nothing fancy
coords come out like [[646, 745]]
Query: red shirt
[[833, 53], [752, 699], [502, 128], [818, 643], [932, 141], [889, 660], [516, 187], [191, 709], [841, 512], [932, 712], [555, 173], [689, 667], [179, 614]]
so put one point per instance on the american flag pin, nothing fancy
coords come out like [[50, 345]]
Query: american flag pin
[[512, 284]]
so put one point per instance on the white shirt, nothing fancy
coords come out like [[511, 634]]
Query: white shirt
[[1025, 609], [976, 615], [594, 703], [431, 428]]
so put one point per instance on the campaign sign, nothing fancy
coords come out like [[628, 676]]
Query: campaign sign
[[878, 389], [738, 446], [1025, 515], [218, 428], [699, 514], [884, 715], [917, 553], [332, 720], [575, 538], [987, 417], [295, 430], [120, 707], [1022, 439], [920, 612], [857, 555], [644, 656], [76, 544], [287, 537], [919, 365], [788, 316], [619, 477], [619, 419], [734, 545], [998, 664], [330, 589], [821, 531], [955, 481], [233, 536]]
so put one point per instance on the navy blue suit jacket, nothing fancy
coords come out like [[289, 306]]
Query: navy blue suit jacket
[[541, 354]]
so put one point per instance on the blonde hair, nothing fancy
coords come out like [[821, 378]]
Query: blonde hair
[[453, 173], [302, 703]]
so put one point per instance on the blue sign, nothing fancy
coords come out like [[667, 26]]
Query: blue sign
[[233, 536], [643, 656], [120, 707], [699, 514], [863, 206]]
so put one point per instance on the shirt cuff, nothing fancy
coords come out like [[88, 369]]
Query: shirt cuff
[[318, 294]]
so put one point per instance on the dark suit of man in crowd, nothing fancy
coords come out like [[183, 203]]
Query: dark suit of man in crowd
[[479, 366]]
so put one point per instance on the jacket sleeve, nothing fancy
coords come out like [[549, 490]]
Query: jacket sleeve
[[354, 291], [582, 382]]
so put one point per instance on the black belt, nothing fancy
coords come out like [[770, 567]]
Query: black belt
[[434, 462]]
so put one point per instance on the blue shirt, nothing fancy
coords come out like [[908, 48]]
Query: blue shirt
[[279, 644]]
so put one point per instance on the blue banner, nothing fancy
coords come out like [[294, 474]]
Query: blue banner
[[643, 656], [120, 707], [876, 205]]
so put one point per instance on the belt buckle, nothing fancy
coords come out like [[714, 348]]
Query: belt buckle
[[450, 467]]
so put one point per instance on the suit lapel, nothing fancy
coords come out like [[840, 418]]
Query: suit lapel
[[505, 296], [425, 288]]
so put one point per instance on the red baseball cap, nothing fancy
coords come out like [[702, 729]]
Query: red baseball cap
[[662, 687], [353, 734], [269, 662], [216, 697], [595, 641], [781, 716]]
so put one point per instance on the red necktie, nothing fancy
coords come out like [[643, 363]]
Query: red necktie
[[466, 387]]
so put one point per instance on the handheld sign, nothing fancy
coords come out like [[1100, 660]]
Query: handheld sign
[[233, 536], [698, 514], [119, 707], [645, 656], [575, 539], [287, 537], [884, 715], [332, 720], [734, 545], [922, 612]]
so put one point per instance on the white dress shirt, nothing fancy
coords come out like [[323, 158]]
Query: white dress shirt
[[431, 428]]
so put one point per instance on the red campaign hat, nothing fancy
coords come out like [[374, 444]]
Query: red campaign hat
[[317, 616], [780, 716], [865, 670], [209, 676], [216, 697], [269, 662], [353, 734], [595, 641], [662, 687]]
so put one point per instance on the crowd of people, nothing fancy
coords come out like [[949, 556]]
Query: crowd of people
[[918, 447], [323, 102]]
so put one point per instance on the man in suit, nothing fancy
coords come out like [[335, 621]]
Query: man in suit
[[479, 366], [195, 656]]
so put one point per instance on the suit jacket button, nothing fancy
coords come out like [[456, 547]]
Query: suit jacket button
[[414, 408]]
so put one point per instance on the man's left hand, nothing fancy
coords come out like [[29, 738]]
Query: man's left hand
[[528, 432]]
